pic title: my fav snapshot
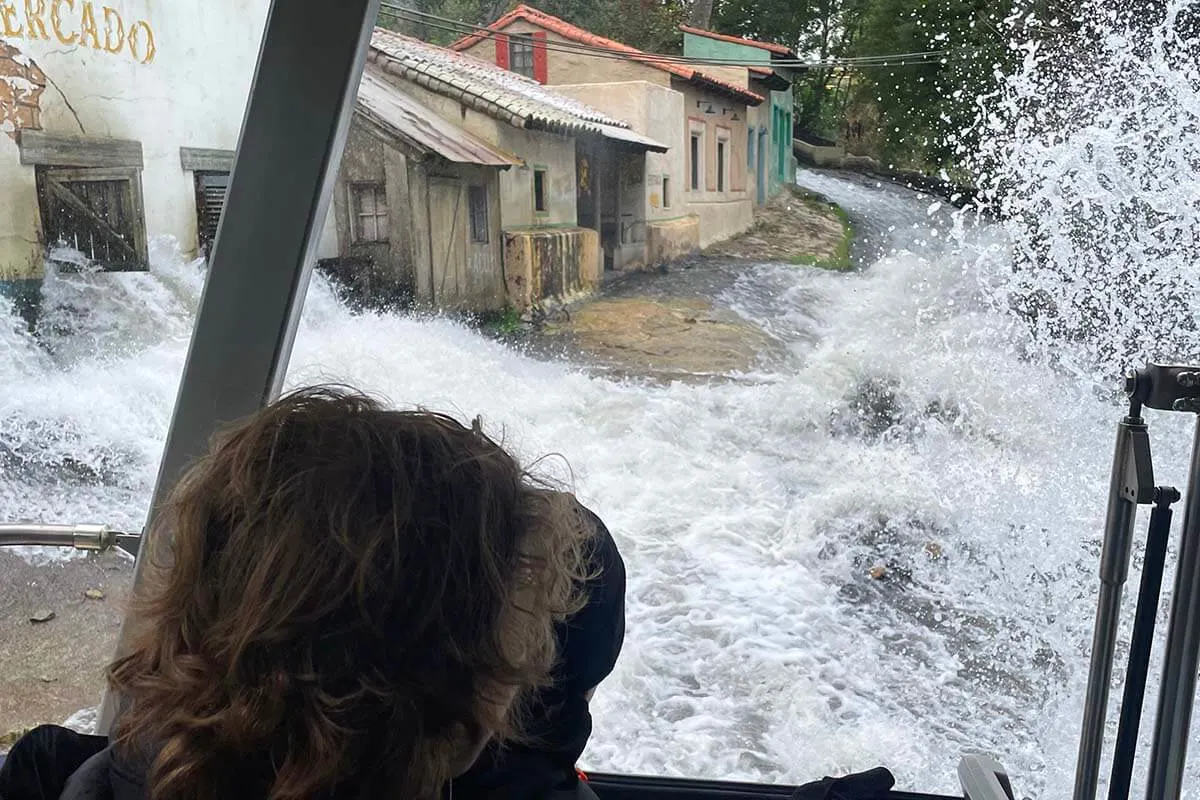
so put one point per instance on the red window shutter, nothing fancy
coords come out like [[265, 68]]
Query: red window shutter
[[501, 51], [540, 67]]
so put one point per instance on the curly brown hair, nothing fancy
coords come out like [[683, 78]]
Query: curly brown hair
[[350, 599]]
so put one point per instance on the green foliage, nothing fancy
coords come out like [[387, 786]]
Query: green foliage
[[841, 259], [924, 108], [501, 324], [817, 29]]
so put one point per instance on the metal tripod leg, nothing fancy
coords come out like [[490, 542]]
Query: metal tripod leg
[[1141, 643], [1182, 652], [1132, 483]]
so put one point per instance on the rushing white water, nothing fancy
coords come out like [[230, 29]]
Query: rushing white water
[[912, 436], [923, 433], [1090, 153]]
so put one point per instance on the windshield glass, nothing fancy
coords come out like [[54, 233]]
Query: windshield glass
[[824, 314]]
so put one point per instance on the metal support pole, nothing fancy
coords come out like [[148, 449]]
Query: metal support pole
[[80, 537], [1182, 653], [293, 134], [1132, 482], [1141, 643]]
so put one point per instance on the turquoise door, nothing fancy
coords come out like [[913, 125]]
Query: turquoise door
[[762, 166]]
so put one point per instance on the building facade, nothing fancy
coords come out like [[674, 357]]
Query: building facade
[[117, 124], [465, 186], [775, 120], [697, 193]]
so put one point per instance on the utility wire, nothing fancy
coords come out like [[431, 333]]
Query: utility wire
[[464, 29], [710, 60]]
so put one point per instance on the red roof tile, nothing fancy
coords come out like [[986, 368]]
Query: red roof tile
[[577, 34], [777, 49]]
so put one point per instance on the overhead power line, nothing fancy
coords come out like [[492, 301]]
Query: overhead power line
[[446, 24]]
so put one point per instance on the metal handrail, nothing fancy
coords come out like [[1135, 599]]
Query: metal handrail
[[94, 538]]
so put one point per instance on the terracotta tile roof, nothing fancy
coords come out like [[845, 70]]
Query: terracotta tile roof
[[577, 34], [777, 49], [505, 95]]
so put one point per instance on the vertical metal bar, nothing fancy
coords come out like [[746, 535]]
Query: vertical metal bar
[[1141, 643], [1114, 567], [1178, 691], [293, 134]]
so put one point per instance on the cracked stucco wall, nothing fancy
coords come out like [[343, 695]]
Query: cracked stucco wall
[[169, 75]]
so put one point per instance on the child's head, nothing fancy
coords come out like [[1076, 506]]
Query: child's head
[[352, 600]]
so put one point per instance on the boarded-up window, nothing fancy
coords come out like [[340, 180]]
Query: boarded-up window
[[477, 200], [212, 189], [368, 202], [520, 54], [96, 212]]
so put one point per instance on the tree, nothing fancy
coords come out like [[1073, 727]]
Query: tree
[[816, 29], [701, 16], [927, 103]]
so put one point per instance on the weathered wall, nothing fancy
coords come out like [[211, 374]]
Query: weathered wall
[[722, 213], [556, 155], [550, 264], [429, 255], [167, 75], [631, 209], [475, 282], [781, 165], [379, 270], [667, 240], [668, 115], [717, 116], [571, 64], [655, 111], [720, 221], [819, 156], [538, 149]]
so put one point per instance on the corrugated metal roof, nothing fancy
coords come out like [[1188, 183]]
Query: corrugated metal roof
[[505, 95], [626, 135], [577, 34], [406, 118]]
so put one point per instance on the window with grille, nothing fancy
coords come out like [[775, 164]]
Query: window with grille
[[520, 54], [368, 203], [477, 203]]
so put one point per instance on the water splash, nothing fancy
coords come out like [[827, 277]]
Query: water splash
[[1090, 157]]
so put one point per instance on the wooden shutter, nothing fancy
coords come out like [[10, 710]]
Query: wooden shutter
[[211, 190], [501, 51], [540, 61], [95, 211]]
